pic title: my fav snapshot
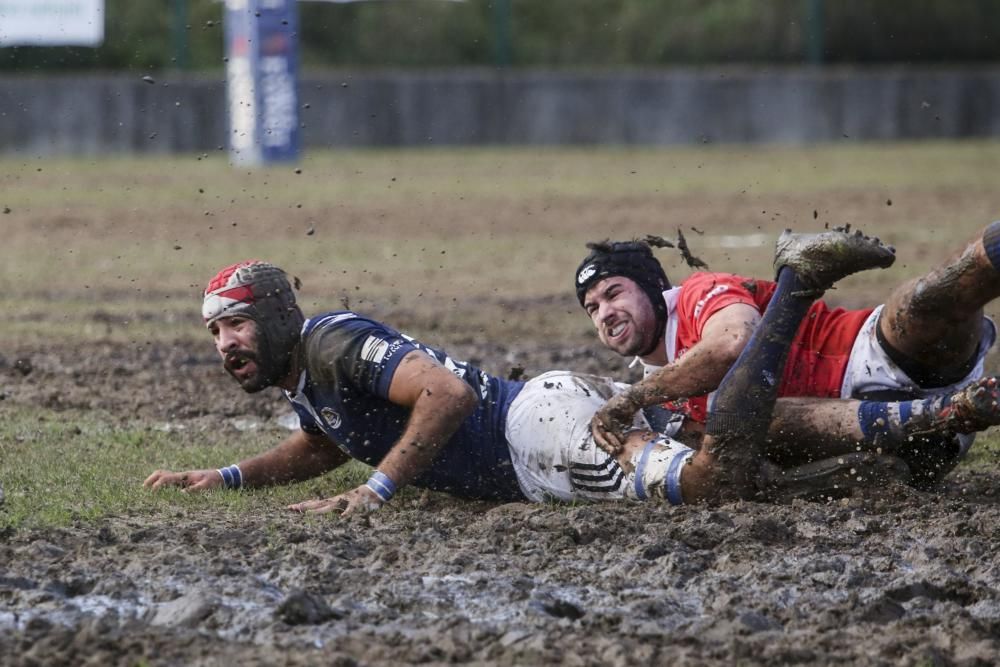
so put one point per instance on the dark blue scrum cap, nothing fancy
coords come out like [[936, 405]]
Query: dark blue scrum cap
[[631, 259]]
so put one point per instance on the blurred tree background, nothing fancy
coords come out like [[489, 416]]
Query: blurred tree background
[[159, 34]]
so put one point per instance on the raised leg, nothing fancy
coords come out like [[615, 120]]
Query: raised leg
[[729, 462]]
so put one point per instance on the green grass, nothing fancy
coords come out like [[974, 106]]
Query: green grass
[[58, 468], [463, 244], [352, 176], [985, 453], [65, 468], [119, 248]]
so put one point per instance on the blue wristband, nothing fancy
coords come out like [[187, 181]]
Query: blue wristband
[[232, 476], [674, 477], [640, 469], [381, 485]]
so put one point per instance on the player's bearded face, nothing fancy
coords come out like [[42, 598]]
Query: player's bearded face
[[244, 366], [243, 353], [624, 317]]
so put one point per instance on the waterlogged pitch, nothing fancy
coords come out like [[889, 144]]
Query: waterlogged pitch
[[108, 374]]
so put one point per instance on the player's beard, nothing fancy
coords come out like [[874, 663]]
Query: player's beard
[[265, 371], [642, 343], [251, 383]]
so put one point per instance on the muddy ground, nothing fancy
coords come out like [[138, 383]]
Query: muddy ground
[[895, 577]]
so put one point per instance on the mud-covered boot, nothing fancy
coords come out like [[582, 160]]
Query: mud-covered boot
[[934, 453], [930, 458], [741, 409], [943, 428], [822, 259], [832, 477]]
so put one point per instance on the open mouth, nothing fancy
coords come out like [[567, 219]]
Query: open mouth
[[237, 361], [616, 330]]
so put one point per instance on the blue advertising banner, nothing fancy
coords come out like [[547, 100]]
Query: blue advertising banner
[[261, 76]]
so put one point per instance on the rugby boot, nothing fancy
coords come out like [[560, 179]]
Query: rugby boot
[[820, 260], [930, 458], [934, 448], [833, 477]]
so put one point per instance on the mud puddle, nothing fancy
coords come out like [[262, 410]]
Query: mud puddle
[[904, 579]]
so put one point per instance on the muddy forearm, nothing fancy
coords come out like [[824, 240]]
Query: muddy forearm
[[701, 369], [808, 429], [697, 372]]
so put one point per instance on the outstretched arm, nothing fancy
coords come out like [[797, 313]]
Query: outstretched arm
[[698, 372], [299, 457], [439, 402]]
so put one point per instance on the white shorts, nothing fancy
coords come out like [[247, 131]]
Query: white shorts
[[553, 451], [869, 368]]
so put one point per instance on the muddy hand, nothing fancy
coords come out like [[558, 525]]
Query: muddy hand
[[361, 500], [975, 407], [610, 424], [191, 480]]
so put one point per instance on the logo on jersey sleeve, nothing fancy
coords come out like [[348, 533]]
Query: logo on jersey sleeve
[[332, 417], [459, 368], [604, 477], [712, 293], [374, 349]]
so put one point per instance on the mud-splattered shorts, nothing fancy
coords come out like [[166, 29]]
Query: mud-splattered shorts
[[553, 451], [869, 368]]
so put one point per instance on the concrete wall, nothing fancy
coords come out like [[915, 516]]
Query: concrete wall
[[96, 114]]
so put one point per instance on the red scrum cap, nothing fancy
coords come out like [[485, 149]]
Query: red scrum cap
[[260, 292]]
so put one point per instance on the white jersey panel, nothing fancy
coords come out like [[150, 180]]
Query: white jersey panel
[[551, 446]]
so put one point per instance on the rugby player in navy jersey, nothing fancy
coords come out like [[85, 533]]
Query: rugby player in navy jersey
[[365, 391]]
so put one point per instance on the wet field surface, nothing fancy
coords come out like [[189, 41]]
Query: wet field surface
[[888, 577], [912, 580], [474, 253]]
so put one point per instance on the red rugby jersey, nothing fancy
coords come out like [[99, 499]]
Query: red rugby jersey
[[819, 353]]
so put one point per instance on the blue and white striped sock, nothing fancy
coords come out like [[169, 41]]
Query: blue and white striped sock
[[897, 420]]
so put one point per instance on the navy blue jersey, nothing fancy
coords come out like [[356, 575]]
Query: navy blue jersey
[[349, 361]]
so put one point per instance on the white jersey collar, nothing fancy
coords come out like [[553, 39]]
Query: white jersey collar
[[298, 389]]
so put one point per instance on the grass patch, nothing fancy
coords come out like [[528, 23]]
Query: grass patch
[[59, 468], [985, 453], [387, 175], [63, 468]]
